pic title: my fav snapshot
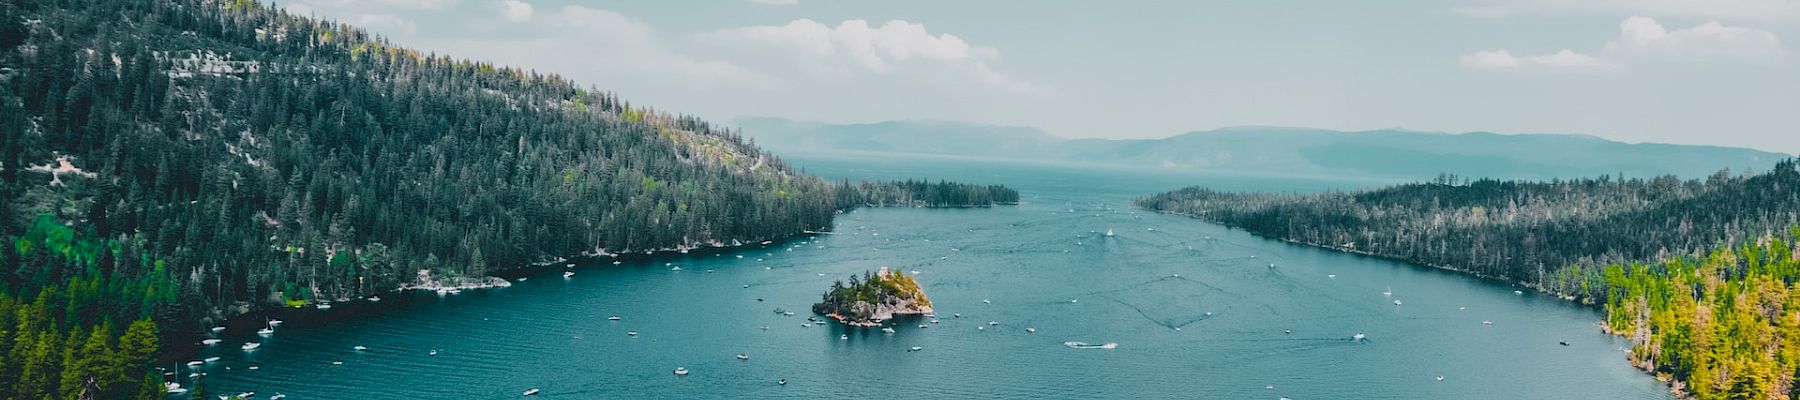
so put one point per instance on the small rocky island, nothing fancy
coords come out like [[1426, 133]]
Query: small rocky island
[[873, 299]]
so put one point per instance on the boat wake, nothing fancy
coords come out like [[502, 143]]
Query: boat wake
[[1086, 345]]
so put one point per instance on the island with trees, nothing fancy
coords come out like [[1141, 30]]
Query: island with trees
[[1700, 275], [168, 164], [873, 299]]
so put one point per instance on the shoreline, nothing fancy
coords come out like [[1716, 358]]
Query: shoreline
[[1675, 386]]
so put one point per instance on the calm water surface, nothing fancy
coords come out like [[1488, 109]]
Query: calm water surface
[[1196, 309]]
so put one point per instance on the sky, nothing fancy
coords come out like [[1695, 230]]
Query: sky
[[1713, 72]]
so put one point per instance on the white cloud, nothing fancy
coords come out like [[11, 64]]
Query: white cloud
[[1565, 60], [1734, 9], [776, 2], [895, 47], [386, 22], [515, 10], [603, 47], [1643, 37]]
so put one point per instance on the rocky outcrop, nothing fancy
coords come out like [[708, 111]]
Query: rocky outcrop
[[874, 299]]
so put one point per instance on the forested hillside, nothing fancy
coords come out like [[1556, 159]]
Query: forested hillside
[[1552, 235], [1699, 274], [176, 161]]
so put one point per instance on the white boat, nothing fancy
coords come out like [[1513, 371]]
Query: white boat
[[265, 331], [278, 396], [934, 321], [195, 363], [742, 356], [675, 269], [958, 315], [253, 368], [1085, 345], [217, 329], [1487, 322], [173, 388], [274, 322], [845, 336], [887, 330], [679, 371], [1030, 330], [210, 342], [212, 359], [1519, 292], [1109, 232], [1396, 302], [324, 306], [377, 299], [568, 274], [1359, 336], [923, 326], [1388, 292], [612, 318], [985, 301], [248, 346], [359, 348], [1440, 378], [915, 348], [433, 353], [631, 333], [531, 392], [1332, 276], [618, 262], [993, 323], [245, 395]]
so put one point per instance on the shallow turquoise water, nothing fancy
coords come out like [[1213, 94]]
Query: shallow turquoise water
[[1038, 264]]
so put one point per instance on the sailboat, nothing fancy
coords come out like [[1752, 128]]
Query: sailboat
[[267, 330], [1109, 232]]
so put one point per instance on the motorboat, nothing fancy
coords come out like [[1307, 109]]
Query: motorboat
[[612, 318], [248, 346], [212, 359], [323, 306], [568, 274], [1030, 330], [679, 371], [1085, 345], [915, 348], [359, 348], [531, 392], [210, 342], [887, 330], [742, 356], [1359, 336]]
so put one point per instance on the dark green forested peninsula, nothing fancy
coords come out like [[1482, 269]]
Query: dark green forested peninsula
[[1699, 274], [173, 162]]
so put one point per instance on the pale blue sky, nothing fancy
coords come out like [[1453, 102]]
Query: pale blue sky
[[1721, 72]]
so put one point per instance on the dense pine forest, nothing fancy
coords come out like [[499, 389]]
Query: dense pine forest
[[173, 162], [1699, 274]]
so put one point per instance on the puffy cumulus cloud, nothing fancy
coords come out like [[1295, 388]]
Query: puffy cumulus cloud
[[601, 46], [1643, 37], [1565, 60], [776, 2], [1643, 40], [892, 48], [515, 10], [1735, 9]]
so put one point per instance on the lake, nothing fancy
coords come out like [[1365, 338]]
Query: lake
[[1197, 311]]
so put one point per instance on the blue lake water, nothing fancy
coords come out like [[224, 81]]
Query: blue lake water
[[1045, 264]]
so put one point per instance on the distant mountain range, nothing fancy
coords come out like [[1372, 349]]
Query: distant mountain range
[[1378, 153]]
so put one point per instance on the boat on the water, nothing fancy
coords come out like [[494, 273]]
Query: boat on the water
[[568, 274], [173, 388], [887, 330], [1109, 232], [1358, 336], [210, 342], [915, 348], [742, 356], [278, 396], [195, 363], [359, 348], [212, 359], [679, 371], [248, 346], [1086, 345], [531, 392], [612, 318]]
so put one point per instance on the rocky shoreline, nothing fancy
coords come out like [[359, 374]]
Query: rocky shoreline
[[874, 299]]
